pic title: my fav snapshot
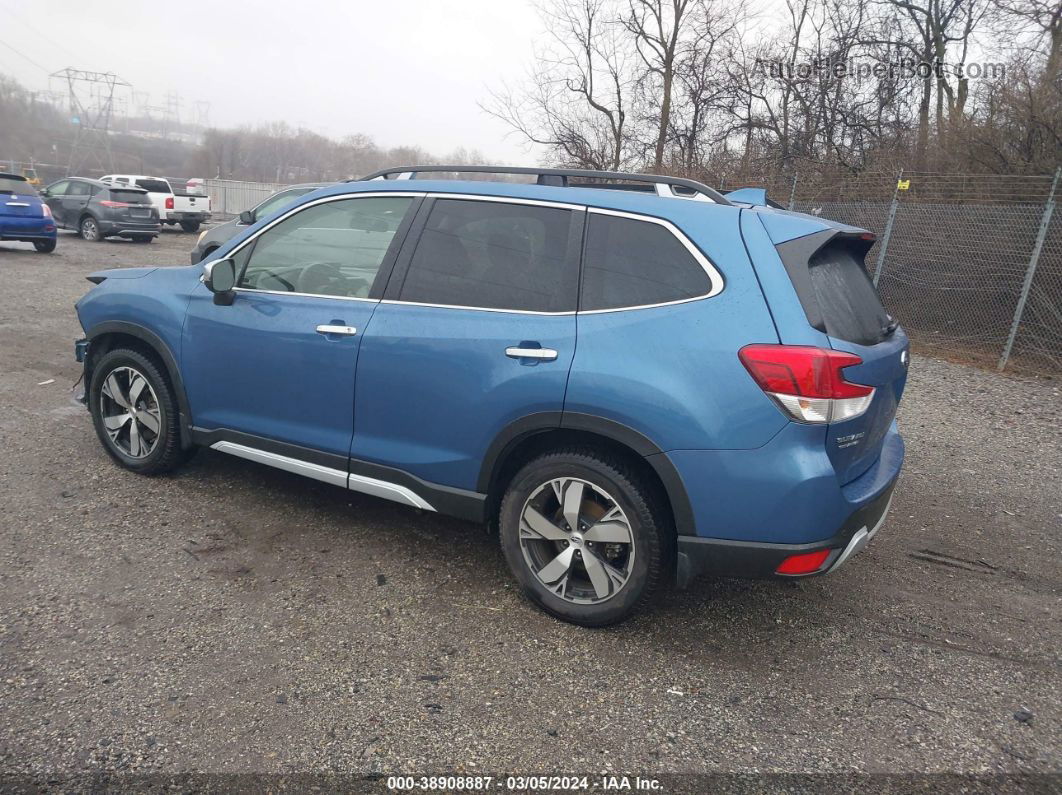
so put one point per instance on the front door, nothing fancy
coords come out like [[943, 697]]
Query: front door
[[278, 364], [481, 333], [54, 200]]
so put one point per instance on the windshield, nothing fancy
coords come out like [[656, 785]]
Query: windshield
[[279, 200], [19, 187]]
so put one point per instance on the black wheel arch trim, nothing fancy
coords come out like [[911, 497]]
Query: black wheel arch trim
[[519, 430], [156, 343]]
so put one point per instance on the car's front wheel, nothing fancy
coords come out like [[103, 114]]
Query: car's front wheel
[[583, 536], [90, 229], [134, 411]]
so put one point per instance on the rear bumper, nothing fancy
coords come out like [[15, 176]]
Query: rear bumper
[[27, 229], [753, 509], [128, 228], [177, 216], [756, 560]]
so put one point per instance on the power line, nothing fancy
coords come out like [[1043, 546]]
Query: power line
[[25, 56], [48, 39]]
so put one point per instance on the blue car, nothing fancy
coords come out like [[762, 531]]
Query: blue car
[[23, 216], [634, 379]]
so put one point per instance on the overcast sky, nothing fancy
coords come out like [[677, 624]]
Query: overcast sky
[[403, 72]]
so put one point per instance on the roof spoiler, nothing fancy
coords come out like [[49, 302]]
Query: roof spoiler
[[756, 197]]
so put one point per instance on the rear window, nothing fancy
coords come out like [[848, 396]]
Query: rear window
[[850, 306], [637, 263], [153, 185], [129, 196], [19, 187]]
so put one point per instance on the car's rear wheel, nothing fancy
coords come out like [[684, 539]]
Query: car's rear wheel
[[44, 246], [190, 226], [134, 411], [90, 229], [583, 537]]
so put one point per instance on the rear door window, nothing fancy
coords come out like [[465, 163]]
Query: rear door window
[[493, 255], [79, 189], [335, 248], [628, 262]]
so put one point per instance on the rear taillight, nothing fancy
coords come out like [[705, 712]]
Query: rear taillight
[[109, 203], [46, 210], [807, 382], [169, 202]]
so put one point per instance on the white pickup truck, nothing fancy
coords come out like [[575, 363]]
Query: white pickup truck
[[185, 209]]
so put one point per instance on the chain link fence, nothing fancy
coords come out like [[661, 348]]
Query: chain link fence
[[971, 265]]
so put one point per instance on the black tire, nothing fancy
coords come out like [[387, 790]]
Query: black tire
[[44, 246], [89, 229], [166, 453], [143, 238], [190, 226], [651, 536]]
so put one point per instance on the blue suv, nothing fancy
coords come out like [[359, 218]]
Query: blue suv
[[634, 379]]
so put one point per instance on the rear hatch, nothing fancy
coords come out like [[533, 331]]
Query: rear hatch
[[828, 271], [134, 205], [19, 200]]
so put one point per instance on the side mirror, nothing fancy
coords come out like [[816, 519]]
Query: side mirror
[[43, 193], [247, 217], [220, 278]]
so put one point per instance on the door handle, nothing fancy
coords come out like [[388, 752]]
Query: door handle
[[544, 354], [348, 331]]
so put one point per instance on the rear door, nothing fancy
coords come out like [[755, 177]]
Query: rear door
[[131, 205], [477, 330], [19, 199], [74, 202]]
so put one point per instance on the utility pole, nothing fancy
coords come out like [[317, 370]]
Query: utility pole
[[90, 99]]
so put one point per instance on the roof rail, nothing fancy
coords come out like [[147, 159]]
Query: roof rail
[[560, 177]]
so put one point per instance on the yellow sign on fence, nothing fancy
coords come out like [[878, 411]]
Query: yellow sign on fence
[[903, 184]]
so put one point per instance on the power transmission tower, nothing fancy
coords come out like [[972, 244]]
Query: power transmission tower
[[201, 114], [90, 96]]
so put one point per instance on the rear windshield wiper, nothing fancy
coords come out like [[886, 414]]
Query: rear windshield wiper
[[891, 326]]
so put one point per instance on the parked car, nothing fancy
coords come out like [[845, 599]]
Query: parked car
[[632, 387], [187, 209], [23, 216], [96, 210], [211, 240]]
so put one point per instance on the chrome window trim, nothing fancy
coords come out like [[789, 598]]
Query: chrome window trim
[[300, 208], [306, 295], [715, 278]]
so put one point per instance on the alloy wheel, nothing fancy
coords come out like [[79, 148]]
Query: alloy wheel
[[577, 540], [89, 231], [130, 413]]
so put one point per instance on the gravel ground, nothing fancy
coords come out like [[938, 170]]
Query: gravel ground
[[235, 618]]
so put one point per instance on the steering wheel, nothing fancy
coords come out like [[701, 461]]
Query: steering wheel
[[262, 282], [327, 278]]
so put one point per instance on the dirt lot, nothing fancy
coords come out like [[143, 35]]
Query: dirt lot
[[236, 618]]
